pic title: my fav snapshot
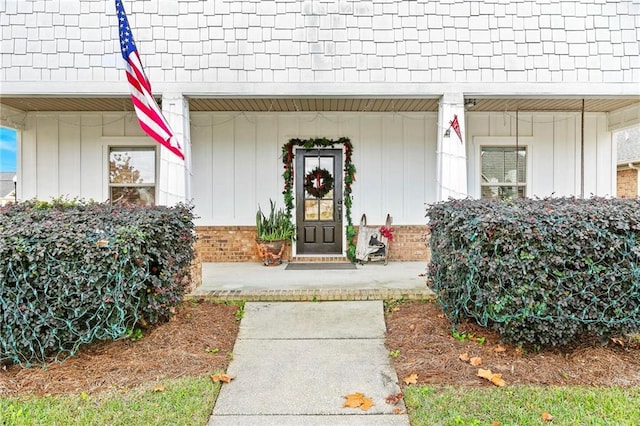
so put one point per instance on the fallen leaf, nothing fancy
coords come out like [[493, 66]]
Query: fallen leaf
[[398, 410], [393, 399], [494, 378], [412, 327], [366, 404], [494, 423], [618, 341], [353, 400], [485, 374], [358, 400], [411, 380], [497, 380], [224, 378], [464, 357], [475, 361], [499, 348], [158, 388], [546, 417]]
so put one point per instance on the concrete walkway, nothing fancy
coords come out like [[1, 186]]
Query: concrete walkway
[[294, 362]]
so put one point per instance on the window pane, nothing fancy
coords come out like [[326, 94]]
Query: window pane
[[311, 209], [326, 209], [140, 195], [499, 164], [324, 163], [132, 165]]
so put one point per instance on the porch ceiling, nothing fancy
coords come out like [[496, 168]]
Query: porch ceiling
[[605, 104]]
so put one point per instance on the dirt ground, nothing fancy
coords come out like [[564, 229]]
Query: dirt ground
[[200, 337]]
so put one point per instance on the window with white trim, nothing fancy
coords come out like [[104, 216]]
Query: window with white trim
[[132, 175], [503, 172]]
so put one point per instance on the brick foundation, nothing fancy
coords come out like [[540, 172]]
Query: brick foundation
[[237, 244], [627, 183]]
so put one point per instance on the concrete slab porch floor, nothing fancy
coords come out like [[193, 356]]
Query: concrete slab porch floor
[[370, 281]]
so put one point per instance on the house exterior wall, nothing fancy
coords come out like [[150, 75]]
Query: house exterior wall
[[554, 143], [237, 161], [627, 185], [322, 48], [237, 164]]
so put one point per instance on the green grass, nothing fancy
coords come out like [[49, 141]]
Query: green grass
[[186, 401], [523, 405]]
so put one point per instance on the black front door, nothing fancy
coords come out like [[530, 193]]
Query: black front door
[[318, 205]]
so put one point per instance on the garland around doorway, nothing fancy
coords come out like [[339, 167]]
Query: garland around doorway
[[349, 179]]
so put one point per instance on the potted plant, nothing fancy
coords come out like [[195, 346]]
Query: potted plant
[[274, 231]]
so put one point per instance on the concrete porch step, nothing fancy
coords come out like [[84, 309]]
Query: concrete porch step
[[253, 282]]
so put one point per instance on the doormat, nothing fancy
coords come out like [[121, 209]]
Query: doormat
[[318, 266]]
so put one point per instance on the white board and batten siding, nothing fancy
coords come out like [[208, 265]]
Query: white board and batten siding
[[553, 142], [66, 154], [237, 157], [237, 162]]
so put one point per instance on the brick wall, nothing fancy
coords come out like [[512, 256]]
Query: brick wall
[[627, 186], [237, 244], [409, 243], [196, 273]]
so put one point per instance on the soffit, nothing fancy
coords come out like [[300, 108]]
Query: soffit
[[325, 104]]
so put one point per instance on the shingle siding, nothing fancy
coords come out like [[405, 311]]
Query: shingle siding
[[589, 41]]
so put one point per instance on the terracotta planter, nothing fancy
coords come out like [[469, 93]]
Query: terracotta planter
[[271, 251]]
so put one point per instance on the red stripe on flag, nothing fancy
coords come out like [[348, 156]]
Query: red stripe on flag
[[147, 110], [456, 126]]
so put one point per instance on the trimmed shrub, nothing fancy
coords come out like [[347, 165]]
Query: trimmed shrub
[[73, 272], [541, 272]]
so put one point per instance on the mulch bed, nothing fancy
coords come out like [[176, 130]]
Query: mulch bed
[[200, 337], [183, 346], [427, 348]]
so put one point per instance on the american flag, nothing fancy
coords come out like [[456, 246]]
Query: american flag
[[149, 115]]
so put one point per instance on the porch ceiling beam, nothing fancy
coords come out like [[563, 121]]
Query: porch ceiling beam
[[12, 117], [624, 117]]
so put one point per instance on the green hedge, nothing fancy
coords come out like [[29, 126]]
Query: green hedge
[[542, 272], [75, 272]]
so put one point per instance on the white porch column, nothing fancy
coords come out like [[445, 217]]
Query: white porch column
[[451, 151], [174, 180]]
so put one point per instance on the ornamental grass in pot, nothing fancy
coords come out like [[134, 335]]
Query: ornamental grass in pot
[[273, 233]]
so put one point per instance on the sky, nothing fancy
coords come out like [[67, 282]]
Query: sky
[[8, 151]]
